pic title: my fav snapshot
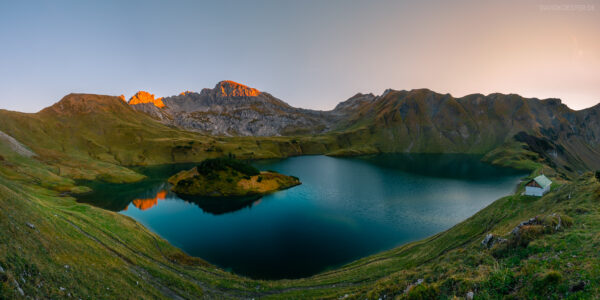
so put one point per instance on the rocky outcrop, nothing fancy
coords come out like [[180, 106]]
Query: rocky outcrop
[[15, 145], [145, 97], [228, 88], [490, 240], [154, 111], [527, 231]]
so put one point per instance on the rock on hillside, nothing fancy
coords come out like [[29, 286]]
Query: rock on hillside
[[15, 145], [147, 103]]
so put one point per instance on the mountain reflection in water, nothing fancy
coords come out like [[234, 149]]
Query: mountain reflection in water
[[160, 191], [144, 204], [214, 206], [222, 205]]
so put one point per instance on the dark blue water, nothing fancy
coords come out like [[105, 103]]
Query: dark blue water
[[346, 208]]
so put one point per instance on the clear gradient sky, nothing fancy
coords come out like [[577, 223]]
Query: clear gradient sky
[[311, 54]]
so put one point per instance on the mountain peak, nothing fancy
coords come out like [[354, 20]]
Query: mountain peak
[[84, 103], [228, 88], [145, 97]]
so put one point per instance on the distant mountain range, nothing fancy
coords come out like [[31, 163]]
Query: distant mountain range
[[233, 118], [233, 109], [396, 121]]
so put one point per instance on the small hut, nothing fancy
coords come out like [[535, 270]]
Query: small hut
[[538, 186]]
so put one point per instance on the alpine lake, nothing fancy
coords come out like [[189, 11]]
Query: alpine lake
[[345, 209]]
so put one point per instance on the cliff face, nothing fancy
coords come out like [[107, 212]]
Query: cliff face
[[145, 97], [230, 88], [233, 109]]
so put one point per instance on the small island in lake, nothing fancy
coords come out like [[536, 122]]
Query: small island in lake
[[228, 177]]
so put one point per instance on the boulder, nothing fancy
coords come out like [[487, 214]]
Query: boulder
[[490, 240]]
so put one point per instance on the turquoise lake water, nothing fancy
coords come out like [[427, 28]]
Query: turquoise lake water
[[345, 209]]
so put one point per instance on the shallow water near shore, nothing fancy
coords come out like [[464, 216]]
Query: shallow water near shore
[[345, 209]]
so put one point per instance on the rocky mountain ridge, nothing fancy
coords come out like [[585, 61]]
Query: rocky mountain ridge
[[145, 97], [233, 109], [416, 121], [397, 121]]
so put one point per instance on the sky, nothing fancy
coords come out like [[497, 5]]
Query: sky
[[311, 54]]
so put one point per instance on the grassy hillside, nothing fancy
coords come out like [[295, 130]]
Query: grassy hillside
[[423, 121], [103, 134], [53, 247], [95, 137]]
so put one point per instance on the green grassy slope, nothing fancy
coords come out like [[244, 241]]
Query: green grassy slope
[[104, 134], [93, 137], [423, 121], [52, 247], [93, 253]]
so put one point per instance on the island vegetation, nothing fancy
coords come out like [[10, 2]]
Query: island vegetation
[[228, 177]]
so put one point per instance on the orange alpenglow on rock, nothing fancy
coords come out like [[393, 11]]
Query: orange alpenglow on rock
[[144, 204], [228, 88], [122, 97], [145, 97], [185, 93]]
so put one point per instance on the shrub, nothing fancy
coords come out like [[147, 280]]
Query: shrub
[[185, 182], [213, 176], [598, 175], [454, 285], [553, 220], [529, 233], [259, 179], [209, 166], [423, 292], [500, 282], [547, 283], [1, 158]]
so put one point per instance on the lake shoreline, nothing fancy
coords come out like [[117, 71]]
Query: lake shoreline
[[271, 206]]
